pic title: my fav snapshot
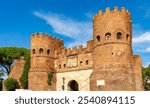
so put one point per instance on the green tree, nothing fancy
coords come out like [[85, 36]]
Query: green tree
[[24, 77], [49, 80], [146, 77], [11, 84], [7, 56]]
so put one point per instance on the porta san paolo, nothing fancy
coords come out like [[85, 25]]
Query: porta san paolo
[[106, 63]]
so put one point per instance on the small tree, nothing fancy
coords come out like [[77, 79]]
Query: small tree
[[49, 80], [146, 77], [7, 57], [146, 81], [11, 84]]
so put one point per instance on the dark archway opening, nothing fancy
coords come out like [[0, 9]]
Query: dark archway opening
[[73, 85]]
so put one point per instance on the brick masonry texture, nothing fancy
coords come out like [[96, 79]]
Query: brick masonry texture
[[17, 69], [106, 63]]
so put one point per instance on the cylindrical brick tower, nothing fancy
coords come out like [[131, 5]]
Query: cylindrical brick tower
[[42, 52], [112, 35]]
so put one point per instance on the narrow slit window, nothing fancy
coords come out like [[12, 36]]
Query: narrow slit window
[[98, 38], [48, 51], [81, 63], [127, 37], [33, 51], [64, 65], [87, 62], [59, 66]]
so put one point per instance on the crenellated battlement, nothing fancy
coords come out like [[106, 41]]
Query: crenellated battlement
[[75, 50], [105, 63], [40, 36], [68, 51], [21, 59], [109, 11]]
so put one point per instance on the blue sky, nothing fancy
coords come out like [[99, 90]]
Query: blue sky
[[70, 20]]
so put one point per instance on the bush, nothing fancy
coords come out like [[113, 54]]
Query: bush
[[11, 84], [146, 77], [50, 76]]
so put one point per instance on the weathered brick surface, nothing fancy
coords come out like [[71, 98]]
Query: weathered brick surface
[[38, 81], [17, 69], [108, 55], [112, 54]]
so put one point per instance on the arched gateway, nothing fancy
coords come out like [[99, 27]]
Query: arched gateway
[[73, 85]]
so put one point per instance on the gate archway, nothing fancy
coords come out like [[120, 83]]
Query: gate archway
[[73, 85]]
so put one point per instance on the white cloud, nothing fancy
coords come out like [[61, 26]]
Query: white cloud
[[80, 31], [145, 50], [145, 37]]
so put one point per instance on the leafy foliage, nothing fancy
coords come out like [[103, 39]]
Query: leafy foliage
[[24, 77], [146, 77], [11, 84], [50, 76], [7, 56]]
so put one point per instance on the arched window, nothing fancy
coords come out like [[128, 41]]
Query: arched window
[[64, 65], [127, 37], [33, 51], [59, 66], [87, 62], [98, 38], [108, 36], [119, 36], [41, 51], [48, 51]]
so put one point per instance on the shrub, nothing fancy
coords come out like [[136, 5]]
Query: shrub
[[11, 84], [50, 76], [146, 77]]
